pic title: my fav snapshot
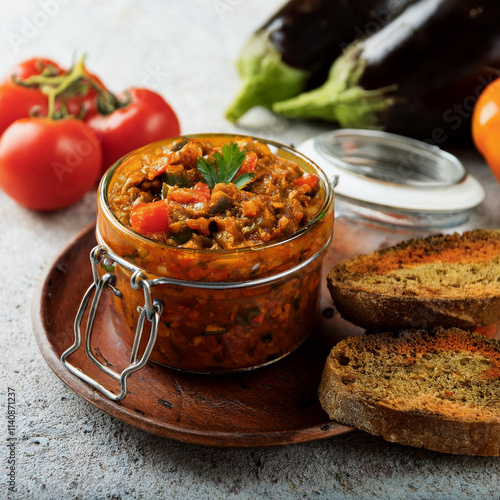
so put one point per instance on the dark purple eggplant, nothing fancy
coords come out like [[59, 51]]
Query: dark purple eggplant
[[300, 42], [420, 75]]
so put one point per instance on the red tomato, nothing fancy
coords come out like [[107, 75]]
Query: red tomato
[[486, 126], [200, 193], [182, 195], [48, 164], [147, 118], [33, 66], [147, 218], [249, 163], [310, 180], [25, 99], [18, 102], [201, 225]]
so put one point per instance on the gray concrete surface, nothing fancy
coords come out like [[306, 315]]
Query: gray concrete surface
[[67, 449]]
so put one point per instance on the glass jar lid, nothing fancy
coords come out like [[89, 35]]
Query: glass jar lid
[[393, 179]]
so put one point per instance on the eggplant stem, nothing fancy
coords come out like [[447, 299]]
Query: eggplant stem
[[341, 99], [266, 78]]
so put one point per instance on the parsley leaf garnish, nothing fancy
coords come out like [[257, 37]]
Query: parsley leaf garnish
[[243, 180], [228, 163], [207, 170]]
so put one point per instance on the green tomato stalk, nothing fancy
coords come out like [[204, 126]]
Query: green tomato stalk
[[55, 86], [76, 82]]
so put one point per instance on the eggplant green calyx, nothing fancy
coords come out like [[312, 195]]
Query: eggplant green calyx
[[341, 99], [266, 79]]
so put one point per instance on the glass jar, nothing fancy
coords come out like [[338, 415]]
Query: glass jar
[[394, 180], [223, 310]]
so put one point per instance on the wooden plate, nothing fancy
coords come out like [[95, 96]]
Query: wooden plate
[[275, 405]]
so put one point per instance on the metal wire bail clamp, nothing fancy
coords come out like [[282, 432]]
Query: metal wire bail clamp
[[151, 312]]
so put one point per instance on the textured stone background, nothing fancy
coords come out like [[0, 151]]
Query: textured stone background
[[66, 448]]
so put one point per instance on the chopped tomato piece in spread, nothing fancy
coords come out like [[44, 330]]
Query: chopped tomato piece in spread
[[200, 193], [249, 163], [147, 218], [310, 180]]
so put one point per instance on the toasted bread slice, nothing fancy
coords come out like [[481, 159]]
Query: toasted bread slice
[[437, 389], [444, 280]]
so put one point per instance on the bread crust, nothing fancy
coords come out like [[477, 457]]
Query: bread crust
[[379, 312], [405, 427], [375, 309], [346, 402]]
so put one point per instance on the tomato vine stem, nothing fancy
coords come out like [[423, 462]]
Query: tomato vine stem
[[76, 81]]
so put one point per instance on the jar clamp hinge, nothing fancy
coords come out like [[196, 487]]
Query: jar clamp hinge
[[151, 312]]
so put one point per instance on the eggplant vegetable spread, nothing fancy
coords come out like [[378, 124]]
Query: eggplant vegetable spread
[[425, 68], [299, 43]]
